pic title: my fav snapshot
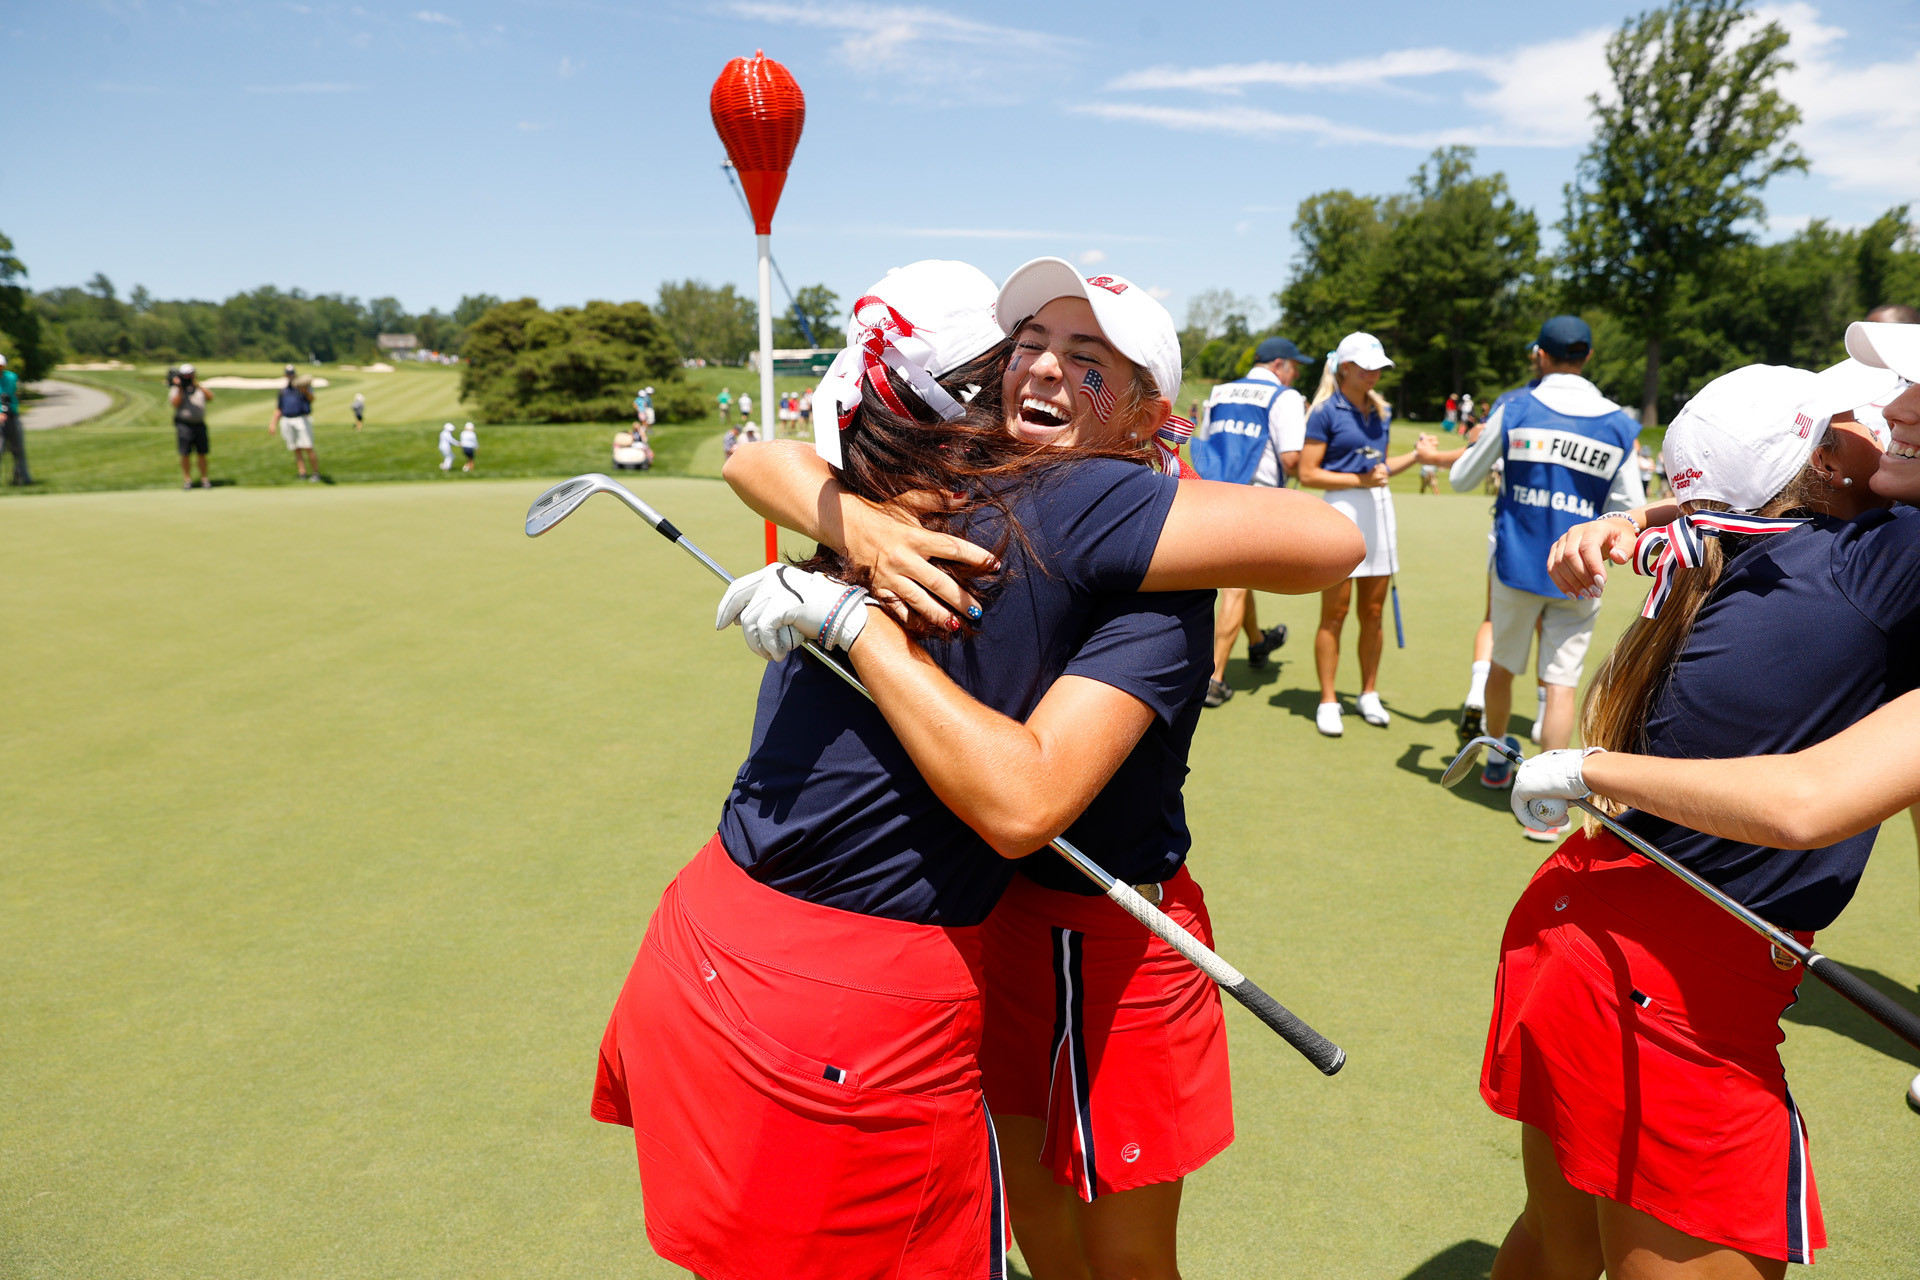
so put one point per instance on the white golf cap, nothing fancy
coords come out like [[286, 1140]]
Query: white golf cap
[[1132, 320], [1362, 349], [923, 321], [1886, 346], [186, 368], [1748, 433], [3, 359]]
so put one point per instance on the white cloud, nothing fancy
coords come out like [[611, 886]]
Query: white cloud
[[567, 68], [1861, 119], [1003, 233], [1860, 129], [1091, 258], [433, 16], [1354, 73], [1158, 294], [310, 86], [884, 34]]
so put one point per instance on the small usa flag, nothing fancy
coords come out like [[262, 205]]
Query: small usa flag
[[1096, 388]]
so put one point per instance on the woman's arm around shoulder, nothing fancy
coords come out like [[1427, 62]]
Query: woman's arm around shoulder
[[1819, 796], [1240, 535], [1017, 784]]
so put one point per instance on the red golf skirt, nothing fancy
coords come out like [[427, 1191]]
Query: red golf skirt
[[804, 1088], [1108, 1034], [1638, 1025]]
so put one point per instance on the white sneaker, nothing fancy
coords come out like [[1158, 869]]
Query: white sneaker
[[1327, 719], [1550, 834], [1372, 712], [1539, 713]]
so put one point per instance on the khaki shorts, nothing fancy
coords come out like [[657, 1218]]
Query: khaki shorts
[[297, 431], [1566, 629]]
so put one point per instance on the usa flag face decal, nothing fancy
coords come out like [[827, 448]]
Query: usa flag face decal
[[1096, 388]]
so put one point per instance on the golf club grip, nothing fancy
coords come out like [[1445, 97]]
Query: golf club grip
[[1314, 1047], [1894, 1017]]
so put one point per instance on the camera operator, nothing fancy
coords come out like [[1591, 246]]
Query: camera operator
[[189, 401]]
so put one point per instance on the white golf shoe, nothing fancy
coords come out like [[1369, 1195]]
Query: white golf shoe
[[1327, 719], [1372, 712]]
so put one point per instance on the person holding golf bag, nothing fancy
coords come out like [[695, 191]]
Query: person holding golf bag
[[1345, 453], [1636, 1025], [797, 1045], [1252, 434], [1110, 1083], [1569, 455]]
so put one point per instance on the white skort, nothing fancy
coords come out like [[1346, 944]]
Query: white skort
[[297, 431], [1372, 511], [1566, 629]]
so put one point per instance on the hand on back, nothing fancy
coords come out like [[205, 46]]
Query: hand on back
[[900, 553]]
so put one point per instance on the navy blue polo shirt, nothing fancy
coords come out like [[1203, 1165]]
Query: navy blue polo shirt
[[293, 404], [1347, 432], [829, 808], [1806, 633]]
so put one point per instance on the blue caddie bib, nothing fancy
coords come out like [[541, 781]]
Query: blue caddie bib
[[1559, 469], [1236, 430]]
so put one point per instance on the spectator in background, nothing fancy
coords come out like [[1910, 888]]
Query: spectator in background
[[446, 446], [189, 401], [746, 411], [806, 411], [1894, 313], [726, 404], [293, 422], [359, 410], [469, 444], [13, 437], [1450, 414]]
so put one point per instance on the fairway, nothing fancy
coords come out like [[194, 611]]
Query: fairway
[[334, 816]]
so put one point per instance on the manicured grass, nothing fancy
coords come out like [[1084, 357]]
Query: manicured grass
[[131, 446], [333, 818]]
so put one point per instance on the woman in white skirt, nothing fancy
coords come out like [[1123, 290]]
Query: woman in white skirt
[[1346, 454]]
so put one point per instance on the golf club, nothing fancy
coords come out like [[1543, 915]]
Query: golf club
[[561, 501], [1381, 496], [1894, 1017]]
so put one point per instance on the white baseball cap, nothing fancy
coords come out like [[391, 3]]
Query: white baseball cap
[[1748, 433], [3, 359], [1362, 349], [1132, 320], [947, 310], [186, 368], [1886, 346]]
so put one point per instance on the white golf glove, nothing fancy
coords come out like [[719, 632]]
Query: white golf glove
[[780, 606], [1543, 785]]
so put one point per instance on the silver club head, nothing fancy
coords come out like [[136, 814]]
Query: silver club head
[[561, 501], [1470, 756]]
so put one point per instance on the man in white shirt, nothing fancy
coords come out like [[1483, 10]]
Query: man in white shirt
[[1252, 435]]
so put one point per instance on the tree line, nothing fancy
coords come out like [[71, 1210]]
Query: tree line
[[1658, 247]]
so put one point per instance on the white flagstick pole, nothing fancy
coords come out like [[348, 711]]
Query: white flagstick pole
[[767, 419]]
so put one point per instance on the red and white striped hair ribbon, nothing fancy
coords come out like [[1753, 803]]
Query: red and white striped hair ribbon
[[888, 343], [1173, 433], [1659, 551]]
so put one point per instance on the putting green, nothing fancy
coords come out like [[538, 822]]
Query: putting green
[[333, 817]]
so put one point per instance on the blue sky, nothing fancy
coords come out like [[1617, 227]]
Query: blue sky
[[562, 148]]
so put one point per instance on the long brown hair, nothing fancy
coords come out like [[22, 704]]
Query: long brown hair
[[886, 457], [1614, 715]]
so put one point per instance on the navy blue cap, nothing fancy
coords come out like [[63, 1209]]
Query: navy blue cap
[[1565, 338], [1271, 349]]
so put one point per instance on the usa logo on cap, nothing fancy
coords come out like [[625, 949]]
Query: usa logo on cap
[[1108, 283], [1803, 422]]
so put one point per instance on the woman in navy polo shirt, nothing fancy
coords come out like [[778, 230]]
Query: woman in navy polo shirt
[[1346, 454], [797, 1044], [1636, 1026]]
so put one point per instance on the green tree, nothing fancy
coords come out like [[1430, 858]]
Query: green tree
[[1673, 174], [31, 345], [1447, 275], [573, 364], [821, 307], [717, 325]]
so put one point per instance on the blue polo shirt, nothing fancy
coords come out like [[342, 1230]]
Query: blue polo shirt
[[1347, 432], [1806, 633], [830, 808], [293, 404]]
